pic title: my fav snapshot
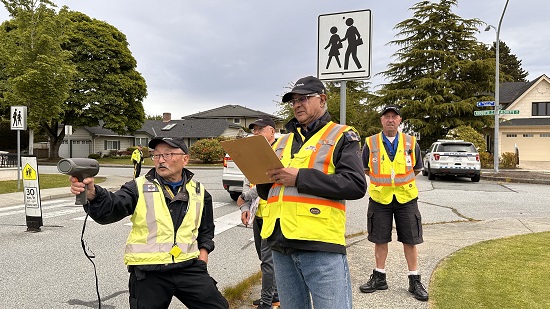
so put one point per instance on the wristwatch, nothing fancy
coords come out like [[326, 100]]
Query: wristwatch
[[242, 196]]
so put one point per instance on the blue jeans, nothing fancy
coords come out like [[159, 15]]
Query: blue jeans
[[323, 274]]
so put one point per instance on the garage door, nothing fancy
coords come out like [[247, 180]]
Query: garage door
[[80, 149], [532, 146]]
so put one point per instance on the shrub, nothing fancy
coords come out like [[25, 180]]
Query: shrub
[[94, 156], [486, 159], [508, 160], [468, 134], [207, 150]]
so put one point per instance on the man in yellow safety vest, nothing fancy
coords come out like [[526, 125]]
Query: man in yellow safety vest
[[172, 230], [392, 160], [305, 217]]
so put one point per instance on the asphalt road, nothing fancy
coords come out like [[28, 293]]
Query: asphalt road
[[49, 270]]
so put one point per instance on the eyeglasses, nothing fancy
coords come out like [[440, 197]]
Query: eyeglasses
[[166, 156], [257, 129], [302, 99]]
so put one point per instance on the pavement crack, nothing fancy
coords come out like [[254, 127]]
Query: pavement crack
[[454, 210]]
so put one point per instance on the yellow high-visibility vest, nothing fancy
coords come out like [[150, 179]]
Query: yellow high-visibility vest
[[303, 216], [389, 178], [153, 239]]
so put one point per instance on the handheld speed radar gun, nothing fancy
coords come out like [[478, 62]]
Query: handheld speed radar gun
[[80, 168]]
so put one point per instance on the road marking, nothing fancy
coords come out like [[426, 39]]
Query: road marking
[[47, 205], [218, 204], [227, 222]]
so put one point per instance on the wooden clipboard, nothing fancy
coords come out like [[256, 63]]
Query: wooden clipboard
[[254, 157]]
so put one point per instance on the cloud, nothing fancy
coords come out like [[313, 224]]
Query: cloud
[[199, 55]]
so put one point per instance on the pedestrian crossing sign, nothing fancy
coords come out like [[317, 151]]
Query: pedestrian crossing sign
[[29, 173]]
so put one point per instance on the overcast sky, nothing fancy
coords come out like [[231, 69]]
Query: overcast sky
[[199, 55]]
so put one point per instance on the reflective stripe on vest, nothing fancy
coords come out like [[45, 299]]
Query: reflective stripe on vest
[[378, 156], [152, 236], [304, 216], [392, 178]]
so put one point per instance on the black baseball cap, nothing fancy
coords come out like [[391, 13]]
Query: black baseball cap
[[306, 85], [391, 108], [262, 122], [176, 142]]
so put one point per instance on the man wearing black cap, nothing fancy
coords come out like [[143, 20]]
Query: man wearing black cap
[[392, 159], [306, 213], [268, 295], [172, 230]]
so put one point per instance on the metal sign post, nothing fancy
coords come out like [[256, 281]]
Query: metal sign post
[[31, 190], [18, 122]]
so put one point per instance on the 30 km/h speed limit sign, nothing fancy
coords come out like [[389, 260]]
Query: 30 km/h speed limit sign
[[31, 188]]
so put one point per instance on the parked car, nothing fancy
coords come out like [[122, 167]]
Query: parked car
[[232, 178], [452, 158]]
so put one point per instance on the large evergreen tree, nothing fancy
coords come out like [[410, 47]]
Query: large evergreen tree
[[440, 71], [510, 65]]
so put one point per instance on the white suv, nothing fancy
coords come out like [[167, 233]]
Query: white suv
[[232, 178], [453, 158]]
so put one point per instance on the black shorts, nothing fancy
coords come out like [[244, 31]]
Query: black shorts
[[408, 222]]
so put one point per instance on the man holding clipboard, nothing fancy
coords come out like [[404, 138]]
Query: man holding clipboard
[[306, 213], [251, 212]]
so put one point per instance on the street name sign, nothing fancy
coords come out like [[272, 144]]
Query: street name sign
[[500, 112], [485, 103]]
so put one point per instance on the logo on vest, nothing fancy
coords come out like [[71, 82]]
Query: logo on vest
[[315, 211], [150, 188], [312, 148]]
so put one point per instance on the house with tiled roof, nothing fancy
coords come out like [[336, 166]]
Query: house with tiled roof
[[526, 126], [225, 121], [236, 114]]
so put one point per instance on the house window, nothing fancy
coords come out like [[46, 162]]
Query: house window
[[511, 135], [527, 135], [237, 120], [112, 145], [541, 109], [143, 141], [545, 135]]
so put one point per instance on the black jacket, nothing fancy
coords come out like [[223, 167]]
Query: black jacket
[[347, 183], [109, 207]]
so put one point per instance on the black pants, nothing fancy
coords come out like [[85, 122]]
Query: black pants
[[192, 285], [137, 169]]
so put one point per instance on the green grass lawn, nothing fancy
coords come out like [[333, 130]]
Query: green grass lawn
[[503, 273], [46, 181]]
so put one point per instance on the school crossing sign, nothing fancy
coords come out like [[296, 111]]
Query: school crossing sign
[[344, 46]]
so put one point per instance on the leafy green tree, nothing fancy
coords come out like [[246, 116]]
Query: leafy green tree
[[510, 65], [35, 70], [96, 82], [153, 117], [468, 134], [440, 72]]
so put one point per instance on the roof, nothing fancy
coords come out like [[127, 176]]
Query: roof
[[187, 128], [526, 122], [100, 131], [510, 92], [232, 111]]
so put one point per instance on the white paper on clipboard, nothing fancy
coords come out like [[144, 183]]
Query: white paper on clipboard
[[253, 210], [254, 157]]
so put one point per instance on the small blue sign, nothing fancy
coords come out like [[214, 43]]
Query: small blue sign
[[485, 103]]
